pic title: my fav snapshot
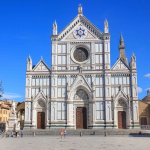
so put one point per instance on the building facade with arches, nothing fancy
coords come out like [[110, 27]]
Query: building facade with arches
[[82, 90]]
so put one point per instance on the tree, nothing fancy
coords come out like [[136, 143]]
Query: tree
[[1, 89]]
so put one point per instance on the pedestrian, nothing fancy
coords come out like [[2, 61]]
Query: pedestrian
[[61, 133], [65, 133], [21, 133], [11, 135], [16, 134]]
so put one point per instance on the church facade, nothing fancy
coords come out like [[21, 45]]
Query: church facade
[[82, 89]]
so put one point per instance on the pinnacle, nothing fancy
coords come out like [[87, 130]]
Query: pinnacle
[[121, 41], [80, 11], [121, 37]]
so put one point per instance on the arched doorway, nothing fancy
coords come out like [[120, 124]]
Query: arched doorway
[[81, 118], [41, 114], [41, 120], [122, 114], [121, 119], [81, 98]]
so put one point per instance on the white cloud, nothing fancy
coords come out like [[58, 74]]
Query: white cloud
[[11, 96], [140, 90], [147, 75]]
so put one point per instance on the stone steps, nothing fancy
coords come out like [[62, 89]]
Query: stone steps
[[84, 132]]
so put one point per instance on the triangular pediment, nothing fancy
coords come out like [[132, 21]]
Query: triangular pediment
[[120, 65], [92, 31], [40, 95], [41, 66], [121, 97], [121, 94], [89, 34], [80, 81]]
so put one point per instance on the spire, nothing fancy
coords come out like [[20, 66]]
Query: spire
[[80, 11], [29, 59], [121, 42], [55, 28], [106, 27], [122, 49], [29, 63]]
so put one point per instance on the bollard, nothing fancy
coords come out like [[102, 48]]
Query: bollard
[[33, 133], [105, 134], [93, 132], [81, 134]]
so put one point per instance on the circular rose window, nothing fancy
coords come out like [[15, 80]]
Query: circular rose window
[[80, 54]]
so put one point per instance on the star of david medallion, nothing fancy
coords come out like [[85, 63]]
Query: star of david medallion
[[80, 32]]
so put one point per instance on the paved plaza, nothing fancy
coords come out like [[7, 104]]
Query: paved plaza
[[75, 143]]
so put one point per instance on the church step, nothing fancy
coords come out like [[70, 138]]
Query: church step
[[102, 132]]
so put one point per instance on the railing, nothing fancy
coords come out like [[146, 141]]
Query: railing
[[145, 127]]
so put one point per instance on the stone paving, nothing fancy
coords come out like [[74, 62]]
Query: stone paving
[[75, 143]]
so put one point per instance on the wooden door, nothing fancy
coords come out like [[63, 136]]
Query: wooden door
[[81, 118], [121, 119], [143, 121], [41, 120]]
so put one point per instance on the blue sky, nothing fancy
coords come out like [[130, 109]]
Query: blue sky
[[26, 27]]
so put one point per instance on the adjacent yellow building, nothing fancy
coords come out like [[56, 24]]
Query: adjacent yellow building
[[4, 111], [144, 111]]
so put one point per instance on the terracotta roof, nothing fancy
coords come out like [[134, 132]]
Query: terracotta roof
[[146, 99]]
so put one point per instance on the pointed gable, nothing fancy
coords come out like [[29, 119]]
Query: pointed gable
[[93, 32], [80, 81], [121, 99], [40, 95], [121, 94], [41, 66], [89, 34], [120, 65]]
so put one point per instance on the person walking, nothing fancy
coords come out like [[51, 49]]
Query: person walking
[[65, 133], [61, 133], [21, 133]]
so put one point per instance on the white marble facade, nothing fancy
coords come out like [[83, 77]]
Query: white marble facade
[[81, 76]]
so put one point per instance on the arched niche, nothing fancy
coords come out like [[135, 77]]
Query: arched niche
[[122, 103], [81, 94]]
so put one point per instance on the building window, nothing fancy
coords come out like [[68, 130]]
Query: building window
[[98, 59], [124, 80], [61, 111], [99, 110], [61, 60], [116, 80], [61, 49], [98, 92], [61, 92], [33, 82], [98, 47], [61, 81], [98, 81]]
